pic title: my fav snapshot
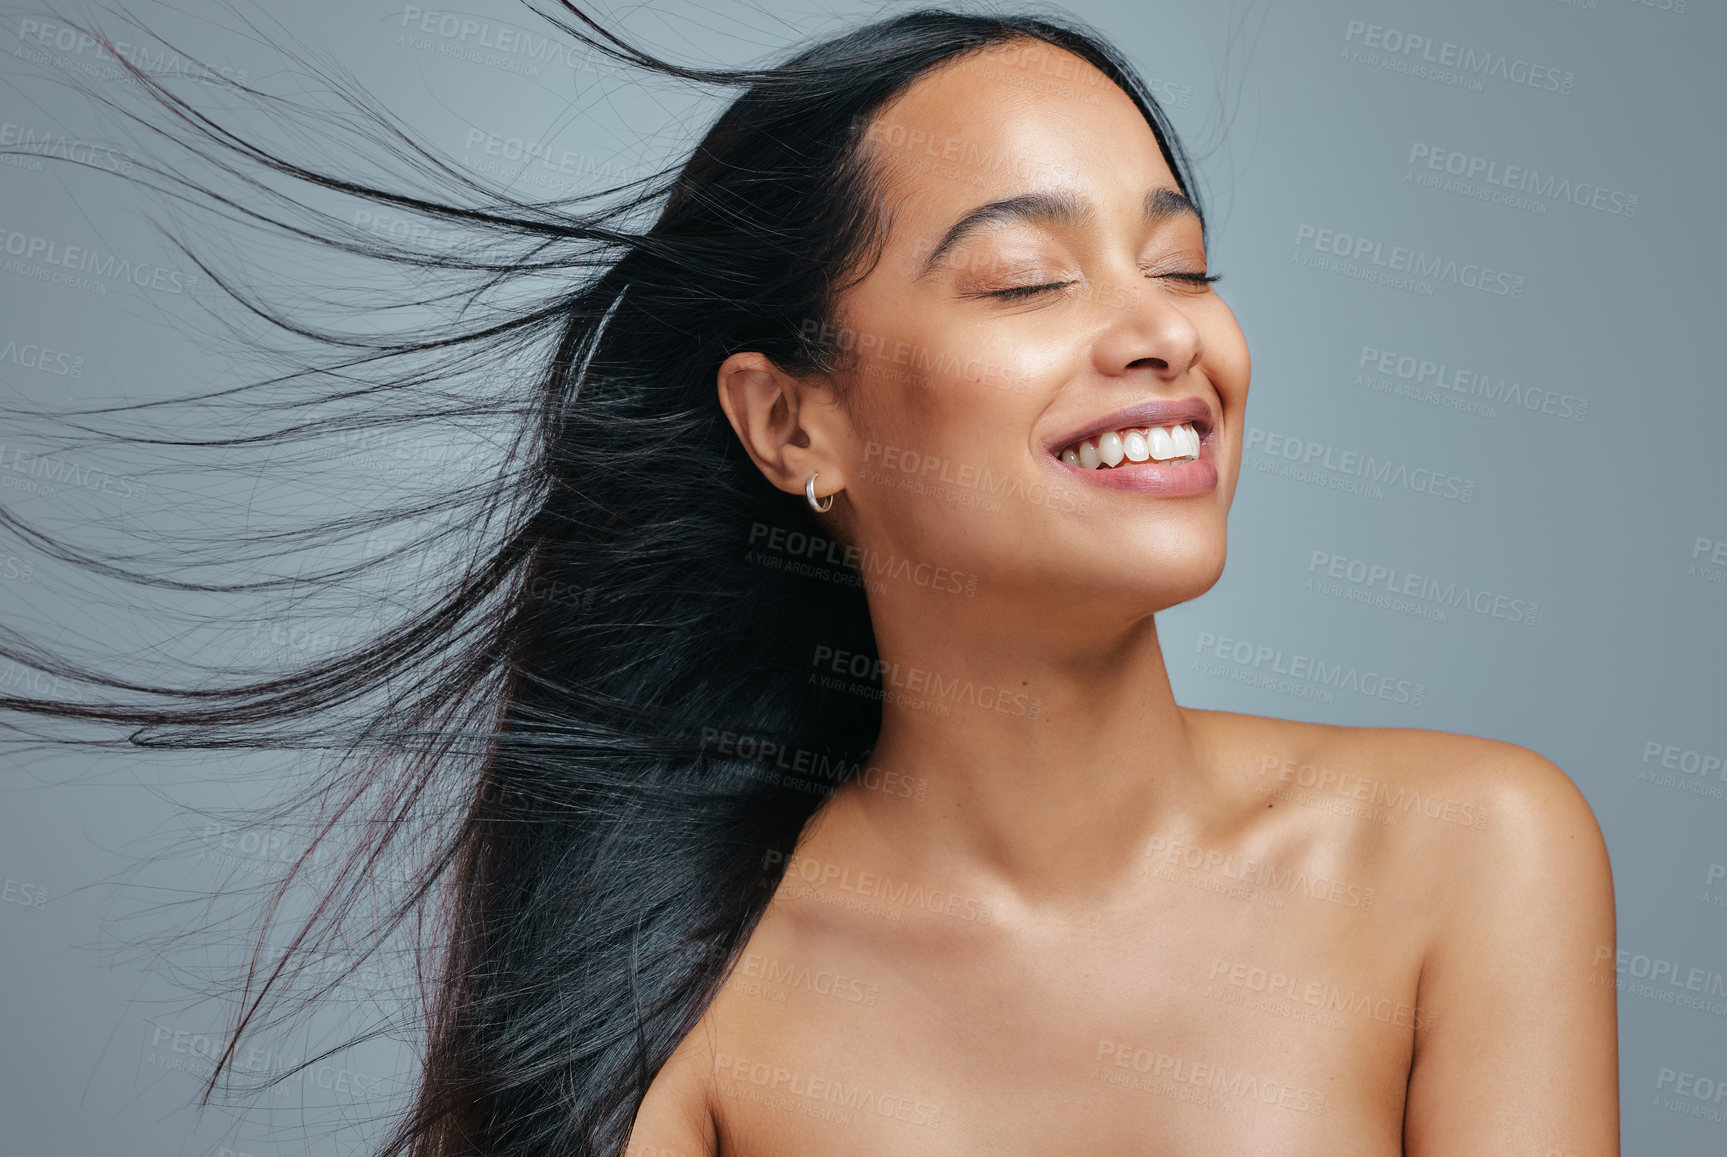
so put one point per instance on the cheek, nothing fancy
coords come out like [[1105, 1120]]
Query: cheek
[[939, 383], [1227, 361], [947, 432]]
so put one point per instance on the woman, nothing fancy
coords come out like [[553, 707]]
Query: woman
[[848, 810]]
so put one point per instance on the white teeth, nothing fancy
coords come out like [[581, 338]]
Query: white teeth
[[1162, 444], [1109, 448], [1186, 441], [1157, 443]]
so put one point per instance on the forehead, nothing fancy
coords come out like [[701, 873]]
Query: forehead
[[1013, 118]]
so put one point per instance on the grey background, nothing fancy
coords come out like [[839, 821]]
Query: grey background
[[1604, 522]]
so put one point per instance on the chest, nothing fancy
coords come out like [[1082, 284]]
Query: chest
[[1199, 1022]]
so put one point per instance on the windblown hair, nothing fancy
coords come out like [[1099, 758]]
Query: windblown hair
[[538, 727]]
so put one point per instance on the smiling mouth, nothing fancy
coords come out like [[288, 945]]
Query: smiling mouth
[[1178, 443]]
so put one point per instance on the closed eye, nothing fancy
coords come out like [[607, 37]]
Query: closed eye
[[1024, 291], [1027, 290], [1196, 278]]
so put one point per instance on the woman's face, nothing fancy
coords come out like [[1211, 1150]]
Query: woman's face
[[1039, 289]]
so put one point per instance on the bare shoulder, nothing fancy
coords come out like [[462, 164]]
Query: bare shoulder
[[1492, 813], [676, 1116], [1495, 877], [1524, 813], [1527, 791]]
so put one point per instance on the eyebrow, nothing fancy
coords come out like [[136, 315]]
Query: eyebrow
[[1054, 208]]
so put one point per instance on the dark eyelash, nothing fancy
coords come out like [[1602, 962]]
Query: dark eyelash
[[1028, 290]]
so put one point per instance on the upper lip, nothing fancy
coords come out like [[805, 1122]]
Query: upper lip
[[1151, 412]]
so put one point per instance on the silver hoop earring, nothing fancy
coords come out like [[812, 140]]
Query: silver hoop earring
[[810, 493]]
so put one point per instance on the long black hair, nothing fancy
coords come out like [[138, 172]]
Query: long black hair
[[538, 735]]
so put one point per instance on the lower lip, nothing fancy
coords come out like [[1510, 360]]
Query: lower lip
[[1163, 479]]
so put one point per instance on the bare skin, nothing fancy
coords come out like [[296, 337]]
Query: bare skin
[[1061, 913]]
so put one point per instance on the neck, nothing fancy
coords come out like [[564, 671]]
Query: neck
[[1033, 764]]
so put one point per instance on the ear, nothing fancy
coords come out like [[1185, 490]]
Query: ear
[[791, 427]]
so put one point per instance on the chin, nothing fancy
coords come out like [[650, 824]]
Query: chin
[[1154, 581], [1186, 581], [1190, 558], [1190, 566]]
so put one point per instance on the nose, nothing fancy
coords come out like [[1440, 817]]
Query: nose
[[1148, 332]]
